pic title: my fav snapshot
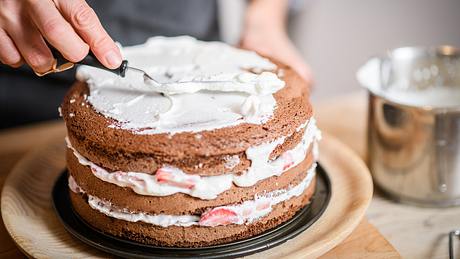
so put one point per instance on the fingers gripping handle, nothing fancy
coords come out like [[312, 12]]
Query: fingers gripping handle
[[91, 60], [62, 64]]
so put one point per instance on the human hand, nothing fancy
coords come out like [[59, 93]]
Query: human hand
[[265, 33], [70, 26], [279, 47]]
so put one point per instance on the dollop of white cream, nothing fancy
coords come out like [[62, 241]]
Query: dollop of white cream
[[259, 155], [231, 161], [169, 180], [243, 213], [200, 86]]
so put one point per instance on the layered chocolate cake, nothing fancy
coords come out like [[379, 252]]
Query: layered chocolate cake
[[220, 147]]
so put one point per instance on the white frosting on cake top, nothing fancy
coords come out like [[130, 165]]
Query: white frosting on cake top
[[202, 86]]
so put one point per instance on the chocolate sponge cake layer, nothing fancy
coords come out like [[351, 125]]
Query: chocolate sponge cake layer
[[179, 203], [94, 136], [192, 236], [142, 162]]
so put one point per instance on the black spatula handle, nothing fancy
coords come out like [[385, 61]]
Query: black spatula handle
[[91, 60]]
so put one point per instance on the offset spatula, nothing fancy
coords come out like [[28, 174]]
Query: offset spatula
[[62, 64]]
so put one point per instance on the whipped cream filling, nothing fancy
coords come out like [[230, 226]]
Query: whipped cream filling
[[202, 86], [169, 180], [243, 213]]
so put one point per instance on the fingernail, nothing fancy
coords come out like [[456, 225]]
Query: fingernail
[[113, 59]]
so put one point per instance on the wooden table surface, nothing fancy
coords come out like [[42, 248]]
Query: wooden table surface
[[15, 142]]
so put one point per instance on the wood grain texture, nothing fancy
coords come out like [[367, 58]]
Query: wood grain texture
[[23, 139], [29, 218], [8, 248], [364, 242], [14, 143]]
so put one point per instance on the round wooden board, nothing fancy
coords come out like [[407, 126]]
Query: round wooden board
[[31, 221]]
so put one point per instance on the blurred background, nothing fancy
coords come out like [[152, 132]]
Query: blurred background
[[337, 37]]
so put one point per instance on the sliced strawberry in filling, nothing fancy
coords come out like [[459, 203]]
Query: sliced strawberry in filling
[[167, 177], [288, 160], [263, 205], [218, 216], [247, 212]]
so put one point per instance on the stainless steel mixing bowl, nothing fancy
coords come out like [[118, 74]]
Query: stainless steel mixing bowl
[[414, 124]]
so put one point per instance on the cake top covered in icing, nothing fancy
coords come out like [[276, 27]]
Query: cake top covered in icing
[[202, 86]]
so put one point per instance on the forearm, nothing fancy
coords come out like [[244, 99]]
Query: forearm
[[264, 15], [265, 32]]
